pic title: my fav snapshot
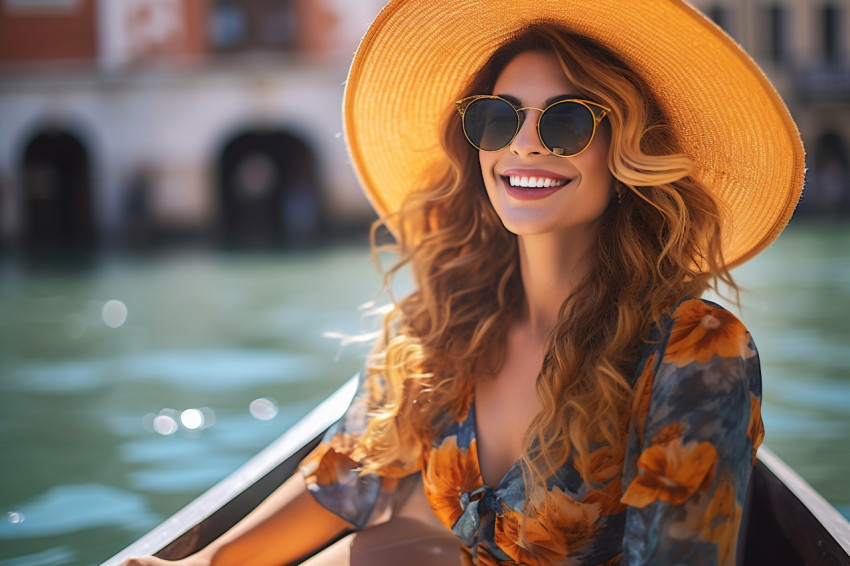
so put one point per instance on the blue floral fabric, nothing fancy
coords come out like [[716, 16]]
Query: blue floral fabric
[[695, 427]]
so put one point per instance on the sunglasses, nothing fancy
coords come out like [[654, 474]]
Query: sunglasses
[[565, 128]]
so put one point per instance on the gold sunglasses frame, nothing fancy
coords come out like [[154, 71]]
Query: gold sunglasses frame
[[464, 103]]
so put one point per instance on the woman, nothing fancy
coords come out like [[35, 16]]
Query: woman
[[554, 387]]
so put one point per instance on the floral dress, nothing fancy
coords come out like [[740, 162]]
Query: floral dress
[[695, 427]]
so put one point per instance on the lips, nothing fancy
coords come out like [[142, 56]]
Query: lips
[[532, 184]]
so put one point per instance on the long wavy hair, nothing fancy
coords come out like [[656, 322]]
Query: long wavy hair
[[661, 243]]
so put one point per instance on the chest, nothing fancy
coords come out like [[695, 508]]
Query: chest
[[505, 405]]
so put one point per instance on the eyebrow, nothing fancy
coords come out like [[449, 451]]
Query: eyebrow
[[558, 98]]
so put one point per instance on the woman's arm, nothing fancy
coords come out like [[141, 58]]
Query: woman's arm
[[687, 478], [287, 526]]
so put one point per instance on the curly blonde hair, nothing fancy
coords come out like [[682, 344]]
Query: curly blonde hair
[[662, 242]]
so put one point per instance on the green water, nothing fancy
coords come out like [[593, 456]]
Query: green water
[[797, 306], [83, 470]]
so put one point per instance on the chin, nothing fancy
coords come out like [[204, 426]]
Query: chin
[[527, 226]]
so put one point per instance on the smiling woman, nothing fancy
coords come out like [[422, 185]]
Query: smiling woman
[[553, 390]]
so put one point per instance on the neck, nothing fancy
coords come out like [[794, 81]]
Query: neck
[[551, 271]]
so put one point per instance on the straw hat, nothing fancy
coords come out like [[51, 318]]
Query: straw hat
[[728, 118]]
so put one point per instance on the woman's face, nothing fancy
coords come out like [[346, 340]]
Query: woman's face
[[581, 186]]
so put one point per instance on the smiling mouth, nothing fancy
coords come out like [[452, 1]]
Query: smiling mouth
[[534, 182]]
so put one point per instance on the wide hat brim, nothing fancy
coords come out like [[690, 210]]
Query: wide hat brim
[[728, 118]]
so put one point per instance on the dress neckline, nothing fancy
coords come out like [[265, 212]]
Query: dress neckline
[[509, 473]]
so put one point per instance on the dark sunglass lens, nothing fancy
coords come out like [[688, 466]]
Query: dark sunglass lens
[[490, 123], [566, 128]]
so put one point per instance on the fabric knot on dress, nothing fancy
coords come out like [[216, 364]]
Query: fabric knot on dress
[[476, 505]]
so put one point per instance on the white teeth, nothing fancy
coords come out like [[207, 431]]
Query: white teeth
[[535, 182]]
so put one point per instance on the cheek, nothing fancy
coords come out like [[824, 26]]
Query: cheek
[[596, 162], [486, 160]]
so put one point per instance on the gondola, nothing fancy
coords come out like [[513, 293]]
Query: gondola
[[785, 521]]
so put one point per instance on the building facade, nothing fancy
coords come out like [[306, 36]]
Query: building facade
[[804, 47], [131, 120]]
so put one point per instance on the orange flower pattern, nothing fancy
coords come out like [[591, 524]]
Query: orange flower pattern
[[671, 472], [449, 473], [695, 426], [702, 331], [555, 525], [713, 520]]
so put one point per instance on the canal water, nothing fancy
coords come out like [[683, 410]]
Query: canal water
[[129, 386]]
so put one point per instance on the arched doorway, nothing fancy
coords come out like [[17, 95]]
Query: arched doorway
[[57, 195], [828, 187], [269, 192]]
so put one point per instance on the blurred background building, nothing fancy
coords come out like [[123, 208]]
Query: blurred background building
[[134, 122], [141, 121], [804, 47]]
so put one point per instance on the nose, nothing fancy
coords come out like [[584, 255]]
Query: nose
[[527, 140]]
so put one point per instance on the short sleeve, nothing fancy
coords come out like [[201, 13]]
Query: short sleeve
[[331, 471], [692, 447]]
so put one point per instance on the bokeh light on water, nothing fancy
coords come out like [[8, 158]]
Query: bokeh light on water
[[192, 419], [263, 409], [165, 423], [114, 313]]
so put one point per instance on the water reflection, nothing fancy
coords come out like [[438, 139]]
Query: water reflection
[[76, 507], [263, 409], [192, 419], [114, 313], [164, 423], [51, 557], [205, 369]]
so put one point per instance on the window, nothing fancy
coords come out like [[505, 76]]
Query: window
[[831, 33], [255, 25], [227, 25], [777, 19]]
